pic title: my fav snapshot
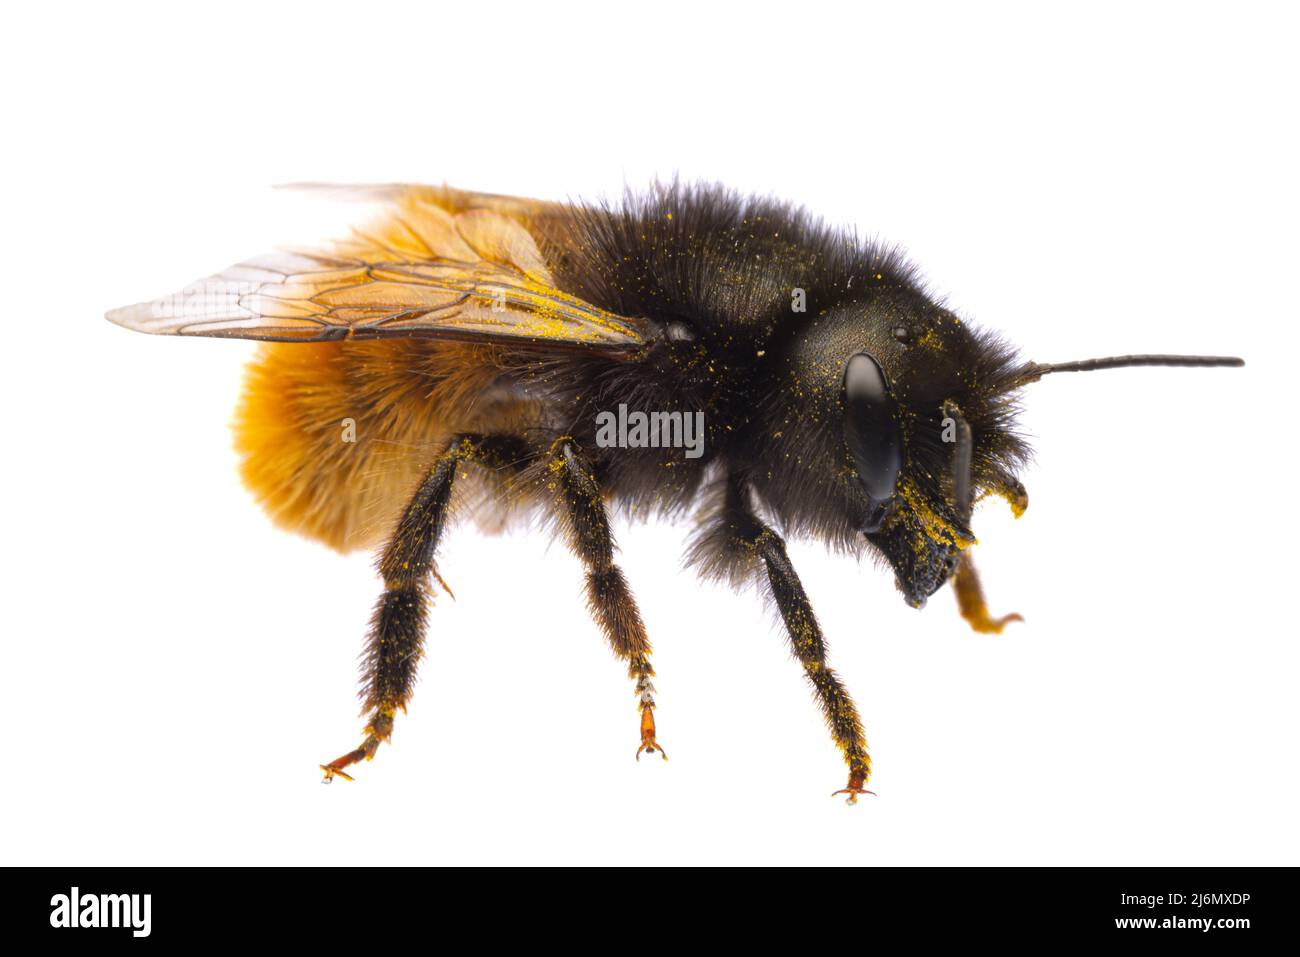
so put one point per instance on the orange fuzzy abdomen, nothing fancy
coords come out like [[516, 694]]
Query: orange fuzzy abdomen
[[335, 435]]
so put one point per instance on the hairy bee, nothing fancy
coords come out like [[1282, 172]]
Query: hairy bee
[[688, 350]]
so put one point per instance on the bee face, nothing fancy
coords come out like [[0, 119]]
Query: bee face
[[884, 371], [931, 359]]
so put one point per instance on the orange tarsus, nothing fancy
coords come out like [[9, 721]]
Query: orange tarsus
[[648, 743], [855, 787], [336, 766]]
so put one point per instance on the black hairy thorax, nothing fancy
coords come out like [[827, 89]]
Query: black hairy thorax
[[754, 307]]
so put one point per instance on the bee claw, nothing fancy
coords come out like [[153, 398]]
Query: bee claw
[[852, 793], [857, 778], [650, 747], [336, 766], [330, 772]]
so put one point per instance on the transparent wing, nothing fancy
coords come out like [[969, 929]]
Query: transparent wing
[[440, 263]]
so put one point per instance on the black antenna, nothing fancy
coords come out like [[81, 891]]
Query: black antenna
[[1120, 362], [1036, 370]]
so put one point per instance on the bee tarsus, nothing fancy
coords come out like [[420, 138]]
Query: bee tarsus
[[648, 743]]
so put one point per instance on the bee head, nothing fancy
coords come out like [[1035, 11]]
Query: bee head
[[893, 417], [887, 389], [928, 423]]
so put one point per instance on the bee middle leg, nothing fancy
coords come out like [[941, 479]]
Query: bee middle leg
[[586, 524], [396, 639]]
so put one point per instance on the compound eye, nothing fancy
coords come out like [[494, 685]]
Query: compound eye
[[871, 429]]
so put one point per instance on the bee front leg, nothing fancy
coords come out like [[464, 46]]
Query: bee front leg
[[586, 524], [810, 648], [396, 640], [737, 545]]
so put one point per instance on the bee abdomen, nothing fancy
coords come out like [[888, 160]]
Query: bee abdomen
[[335, 435]]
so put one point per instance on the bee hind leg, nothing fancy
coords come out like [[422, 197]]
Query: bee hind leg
[[396, 639]]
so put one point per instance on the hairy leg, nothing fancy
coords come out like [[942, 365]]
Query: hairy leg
[[396, 638], [737, 544], [586, 526]]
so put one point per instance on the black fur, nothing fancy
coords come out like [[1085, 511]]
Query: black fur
[[718, 280], [714, 274]]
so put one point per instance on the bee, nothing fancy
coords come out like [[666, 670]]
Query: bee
[[686, 351]]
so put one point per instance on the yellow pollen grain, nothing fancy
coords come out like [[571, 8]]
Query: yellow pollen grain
[[933, 525]]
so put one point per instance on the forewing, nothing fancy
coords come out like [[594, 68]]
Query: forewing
[[438, 264]]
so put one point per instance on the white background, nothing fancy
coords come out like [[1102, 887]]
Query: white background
[[1109, 180]]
